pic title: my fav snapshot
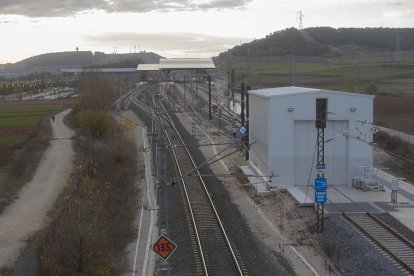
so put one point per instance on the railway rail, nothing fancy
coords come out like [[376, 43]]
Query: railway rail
[[216, 253], [384, 236]]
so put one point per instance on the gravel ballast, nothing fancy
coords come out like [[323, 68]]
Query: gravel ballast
[[352, 253]]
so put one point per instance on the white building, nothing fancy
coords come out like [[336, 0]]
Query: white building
[[282, 128]]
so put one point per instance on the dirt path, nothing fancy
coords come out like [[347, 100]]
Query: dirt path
[[27, 213]]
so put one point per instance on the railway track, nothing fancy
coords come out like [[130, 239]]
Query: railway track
[[215, 252], [226, 115], [386, 238], [383, 235]]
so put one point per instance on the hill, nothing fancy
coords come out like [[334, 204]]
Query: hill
[[323, 42], [348, 59], [53, 62]]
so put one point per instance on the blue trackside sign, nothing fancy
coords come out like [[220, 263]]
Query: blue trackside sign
[[320, 196], [320, 166], [242, 130], [321, 184]]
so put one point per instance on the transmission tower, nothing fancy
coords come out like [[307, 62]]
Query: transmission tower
[[300, 19], [397, 48]]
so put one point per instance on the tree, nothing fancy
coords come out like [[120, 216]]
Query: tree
[[96, 122], [349, 82], [96, 93], [371, 88]]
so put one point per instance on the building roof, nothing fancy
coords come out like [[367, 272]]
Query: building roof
[[186, 63], [293, 90], [98, 70], [148, 67]]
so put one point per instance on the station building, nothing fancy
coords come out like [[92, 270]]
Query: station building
[[282, 130]]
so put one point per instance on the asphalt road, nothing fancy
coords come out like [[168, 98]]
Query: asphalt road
[[27, 213]]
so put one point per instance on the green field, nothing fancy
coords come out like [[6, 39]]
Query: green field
[[11, 139], [17, 121]]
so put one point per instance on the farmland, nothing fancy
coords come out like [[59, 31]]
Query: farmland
[[24, 135], [395, 113], [17, 122], [336, 73]]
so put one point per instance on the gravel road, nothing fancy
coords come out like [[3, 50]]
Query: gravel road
[[28, 212]]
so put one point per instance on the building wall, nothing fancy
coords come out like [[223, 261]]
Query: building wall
[[291, 133], [259, 133]]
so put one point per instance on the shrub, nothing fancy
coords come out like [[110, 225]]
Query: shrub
[[371, 88], [96, 122]]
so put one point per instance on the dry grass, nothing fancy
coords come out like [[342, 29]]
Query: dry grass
[[104, 186]]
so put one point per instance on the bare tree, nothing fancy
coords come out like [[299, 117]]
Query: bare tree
[[96, 93]]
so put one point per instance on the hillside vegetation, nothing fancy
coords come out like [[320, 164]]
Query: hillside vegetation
[[323, 41], [347, 59], [53, 62]]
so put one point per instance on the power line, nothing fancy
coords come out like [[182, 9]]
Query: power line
[[394, 154]]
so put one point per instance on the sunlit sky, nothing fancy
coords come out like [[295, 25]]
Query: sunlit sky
[[175, 28]]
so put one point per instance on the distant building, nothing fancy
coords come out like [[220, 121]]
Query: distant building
[[282, 128]]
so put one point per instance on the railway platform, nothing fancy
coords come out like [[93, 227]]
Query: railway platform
[[345, 198]]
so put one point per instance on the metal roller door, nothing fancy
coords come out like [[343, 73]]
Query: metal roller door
[[336, 153]]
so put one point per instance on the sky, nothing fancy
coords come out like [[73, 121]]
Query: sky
[[175, 28]]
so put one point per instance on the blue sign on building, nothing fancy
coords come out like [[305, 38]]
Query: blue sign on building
[[320, 184], [320, 196]]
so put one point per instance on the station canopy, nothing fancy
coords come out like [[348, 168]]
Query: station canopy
[[186, 63], [148, 67]]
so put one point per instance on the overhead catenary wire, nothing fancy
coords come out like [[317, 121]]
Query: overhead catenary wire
[[363, 141], [301, 225]]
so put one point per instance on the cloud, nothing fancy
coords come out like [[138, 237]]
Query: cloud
[[168, 43], [54, 8]]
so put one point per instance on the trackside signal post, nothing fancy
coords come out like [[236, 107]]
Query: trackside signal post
[[320, 181]]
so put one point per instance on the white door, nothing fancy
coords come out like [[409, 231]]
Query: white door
[[337, 143], [336, 153], [305, 142]]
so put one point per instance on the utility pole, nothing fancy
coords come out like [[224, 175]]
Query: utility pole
[[228, 80], [209, 97], [357, 76], [232, 86], [320, 181], [242, 114], [293, 68], [247, 123]]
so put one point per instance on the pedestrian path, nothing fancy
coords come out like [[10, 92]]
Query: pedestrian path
[[29, 211]]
